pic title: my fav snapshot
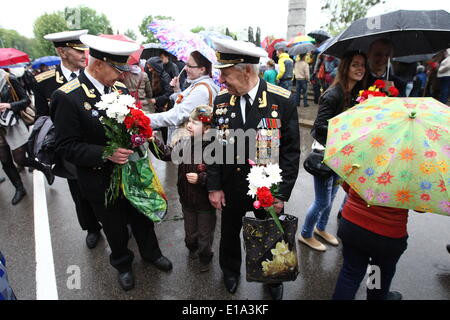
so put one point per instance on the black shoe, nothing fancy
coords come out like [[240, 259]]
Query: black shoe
[[126, 280], [2, 179], [20, 193], [276, 291], [231, 283], [162, 263], [448, 248], [92, 239], [47, 171], [394, 295]]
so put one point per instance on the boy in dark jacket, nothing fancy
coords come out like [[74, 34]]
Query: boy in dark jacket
[[199, 215]]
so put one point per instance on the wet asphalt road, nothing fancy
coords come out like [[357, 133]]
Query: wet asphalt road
[[423, 271]]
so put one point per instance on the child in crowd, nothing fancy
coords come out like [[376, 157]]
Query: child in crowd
[[199, 215]]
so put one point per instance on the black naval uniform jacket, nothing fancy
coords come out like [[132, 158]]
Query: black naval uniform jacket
[[231, 178], [47, 83], [80, 136]]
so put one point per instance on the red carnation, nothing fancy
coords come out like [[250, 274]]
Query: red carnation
[[379, 84], [393, 91], [265, 197]]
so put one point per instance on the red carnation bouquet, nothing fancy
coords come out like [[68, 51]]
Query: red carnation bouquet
[[263, 185], [376, 90], [126, 126]]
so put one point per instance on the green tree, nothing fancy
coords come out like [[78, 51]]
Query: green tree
[[198, 29], [12, 39], [258, 37], [251, 38], [343, 12], [131, 34], [147, 34], [45, 24], [96, 23]]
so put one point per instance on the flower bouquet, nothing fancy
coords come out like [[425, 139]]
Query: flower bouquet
[[126, 126], [270, 244], [376, 90]]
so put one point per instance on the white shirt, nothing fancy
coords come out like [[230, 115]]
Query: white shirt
[[66, 72], [100, 87], [252, 93]]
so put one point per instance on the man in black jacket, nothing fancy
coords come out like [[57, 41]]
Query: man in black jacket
[[73, 60], [249, 104], [80, 137]]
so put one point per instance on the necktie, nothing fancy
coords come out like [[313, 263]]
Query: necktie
[[73, 75], [248, 105], [106, 89]]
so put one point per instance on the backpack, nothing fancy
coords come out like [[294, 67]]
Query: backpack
[[41, 143]]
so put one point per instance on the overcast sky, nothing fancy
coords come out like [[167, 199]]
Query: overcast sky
[[270, 15]]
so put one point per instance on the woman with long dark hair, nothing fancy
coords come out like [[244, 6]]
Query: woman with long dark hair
[[340, 96]]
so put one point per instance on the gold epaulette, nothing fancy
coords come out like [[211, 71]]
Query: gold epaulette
[[70, 86], [222, 92], [45, 75], [278, 90]]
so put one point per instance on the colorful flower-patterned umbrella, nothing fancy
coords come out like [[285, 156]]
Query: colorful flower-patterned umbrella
[[395, 152]]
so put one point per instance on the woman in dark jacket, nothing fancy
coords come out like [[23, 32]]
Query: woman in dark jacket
[[14, 138], [340, 96]]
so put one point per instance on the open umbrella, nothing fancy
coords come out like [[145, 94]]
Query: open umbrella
[[414, 58], [9, 56], [47, 60], [301, 48], [134, 58], [319, 35], [394, 152], [181, 43], [151, 50], [299, 40], [411, 32], [271, 47], [208, 37]]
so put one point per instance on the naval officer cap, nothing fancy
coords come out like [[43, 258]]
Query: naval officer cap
[[113, 52], [231, 52], [69, 39]]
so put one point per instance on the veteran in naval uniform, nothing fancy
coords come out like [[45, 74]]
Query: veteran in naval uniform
[[73, 60], [80, 137], [249, 103]]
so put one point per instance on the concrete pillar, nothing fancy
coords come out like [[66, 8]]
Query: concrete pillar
[[296, 18]]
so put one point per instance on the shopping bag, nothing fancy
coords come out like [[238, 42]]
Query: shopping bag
[[270, 255], [141, 186]]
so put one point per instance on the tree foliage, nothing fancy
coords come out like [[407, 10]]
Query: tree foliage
[[258, 37], [131, 34], [12, 39], [343, 12], [148, 35], [90, 19], [198, 29], [45, 24], [251, 38]]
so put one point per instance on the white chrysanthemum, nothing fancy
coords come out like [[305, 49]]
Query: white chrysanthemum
[[110, 97], [117, 111], [255, 174], [127, 100], [101, 105], [274, 173]]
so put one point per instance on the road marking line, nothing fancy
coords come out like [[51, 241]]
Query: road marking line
[[46, 288]]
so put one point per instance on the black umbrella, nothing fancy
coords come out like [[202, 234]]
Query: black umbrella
[[151, 50], [415, 58], [412, 33], [319, 35]]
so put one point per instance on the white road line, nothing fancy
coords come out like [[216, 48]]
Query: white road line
[[46, 288]]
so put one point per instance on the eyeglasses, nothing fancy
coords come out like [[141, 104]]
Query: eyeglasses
[[192, 67]]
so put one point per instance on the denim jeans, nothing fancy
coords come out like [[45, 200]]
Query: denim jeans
[[325, 191], [361, 248], [302, 90], [286, 84], [445, 89]]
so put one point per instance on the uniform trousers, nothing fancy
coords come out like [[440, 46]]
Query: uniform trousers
[[85, 213], [114, 219]]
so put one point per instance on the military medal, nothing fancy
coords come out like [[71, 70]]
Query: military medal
[[233, 115], [95, 113], [87, 106], [274, 111]]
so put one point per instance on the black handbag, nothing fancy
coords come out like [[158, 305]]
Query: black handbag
[[271, 256], [314, 164]]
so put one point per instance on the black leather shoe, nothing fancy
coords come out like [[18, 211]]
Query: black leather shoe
[[394, 295], [276, 291], [126, 280], [448, 248], [20, 193], [92, 239], [162, 263], [47, 171], [231, 283]]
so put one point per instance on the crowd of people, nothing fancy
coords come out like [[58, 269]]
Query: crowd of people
[[186, 96]]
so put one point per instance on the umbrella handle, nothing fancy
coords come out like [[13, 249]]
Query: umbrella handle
[[388, 69]]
